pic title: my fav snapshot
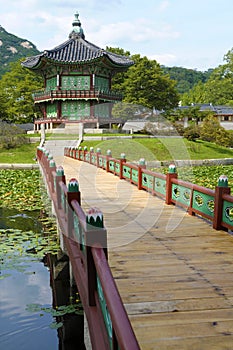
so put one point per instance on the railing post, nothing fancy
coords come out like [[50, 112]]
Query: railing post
[[122, 162], [95, 235], [72, 194], [52, 168], [172, 174], [109, 155], [60, 177], [141, 165], [98, 152], [221, 189]]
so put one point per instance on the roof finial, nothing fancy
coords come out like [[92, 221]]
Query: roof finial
[[77, 30]]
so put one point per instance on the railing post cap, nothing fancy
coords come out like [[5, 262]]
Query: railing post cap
[[123, 156], [91, 149], [223, 181], [98, 150], [60, 171], [172, 169], [73, 186], [50, 157], [52, 163], [85, 148], [109, 152], [142, 161], [94, 218], [80, 148]]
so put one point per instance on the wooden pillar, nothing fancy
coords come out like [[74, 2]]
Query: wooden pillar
[[170, 175]]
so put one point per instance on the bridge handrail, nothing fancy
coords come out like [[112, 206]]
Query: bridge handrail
[[214, 205], [93, 274], [119, 318]]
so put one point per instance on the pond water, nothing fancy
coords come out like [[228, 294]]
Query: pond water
[[27, 296]]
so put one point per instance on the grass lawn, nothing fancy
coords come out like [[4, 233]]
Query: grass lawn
[[161, 149], [24, 154], [148, 148]]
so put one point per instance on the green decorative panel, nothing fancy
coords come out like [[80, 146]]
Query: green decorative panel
[[227, 214], [203, 203], [135, 175], [93, 159], [112, 165], [102, 110], [100, 161], [181, 194], [147, 181], [101, 83], [75, 82], [87, 157], [75, 110], [160, 185], [117, 168], [51, 110], [126, 171], [104, 309], [51, 83]]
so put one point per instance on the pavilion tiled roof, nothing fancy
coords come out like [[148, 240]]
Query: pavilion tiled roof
[[77, 50]]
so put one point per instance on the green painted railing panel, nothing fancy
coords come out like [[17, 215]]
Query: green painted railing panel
[[126, 171], [111, 165], [227, 213], [117, 168], [87, 157], [104, 309], [93, 159], [181, 194], [203, 203], [147, 181], [101, 162], [135, 175], [160, 185]]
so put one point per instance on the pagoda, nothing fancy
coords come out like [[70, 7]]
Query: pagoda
[[77, 81]]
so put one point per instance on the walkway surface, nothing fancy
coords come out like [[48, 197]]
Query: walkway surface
[[173, 271]]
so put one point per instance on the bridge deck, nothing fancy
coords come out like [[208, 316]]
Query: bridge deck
[[173, 271]]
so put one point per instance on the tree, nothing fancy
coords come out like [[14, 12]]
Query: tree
[[212, 131], [16, 88], [217, 89], [147, 85]]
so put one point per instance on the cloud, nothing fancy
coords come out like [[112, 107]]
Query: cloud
[[164, 59], [164, 5], [137, 31]]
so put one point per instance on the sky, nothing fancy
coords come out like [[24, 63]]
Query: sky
[[192, 34]]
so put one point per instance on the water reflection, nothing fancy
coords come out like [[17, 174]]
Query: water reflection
[[31, 283]]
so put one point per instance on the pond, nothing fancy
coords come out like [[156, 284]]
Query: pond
[[37, 310]]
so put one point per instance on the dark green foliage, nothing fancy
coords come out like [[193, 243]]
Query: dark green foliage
[[212, 131], [186, 78], [12, 49], [192, 132], [11, 136]]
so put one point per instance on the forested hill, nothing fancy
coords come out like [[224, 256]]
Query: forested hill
[[13, 48], [186, 78]]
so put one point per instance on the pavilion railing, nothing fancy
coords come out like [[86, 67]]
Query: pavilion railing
[[85, 240], [214, 205], [58, 94]]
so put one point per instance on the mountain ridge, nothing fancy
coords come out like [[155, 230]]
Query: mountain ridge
[[13, 48]]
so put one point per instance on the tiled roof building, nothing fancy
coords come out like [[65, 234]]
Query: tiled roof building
[[77, 77]]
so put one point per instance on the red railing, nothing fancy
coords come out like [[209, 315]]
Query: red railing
[[215, 205], [85, 240], [76, 94]]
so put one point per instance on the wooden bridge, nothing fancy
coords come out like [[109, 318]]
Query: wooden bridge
[[173, 270]]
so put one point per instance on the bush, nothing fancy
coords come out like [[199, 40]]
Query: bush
[[192, 133], [11, 136]]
